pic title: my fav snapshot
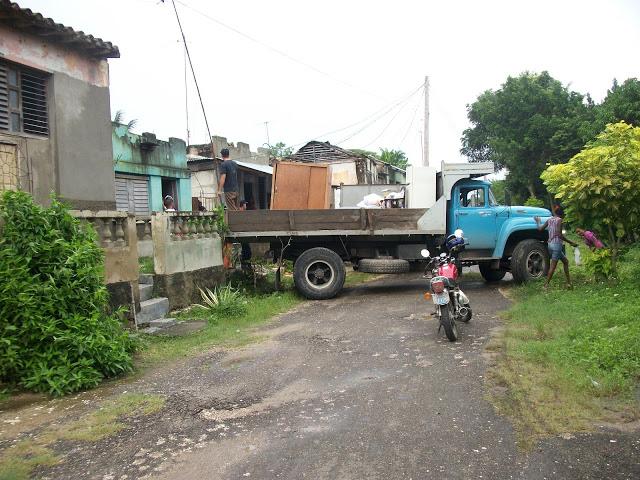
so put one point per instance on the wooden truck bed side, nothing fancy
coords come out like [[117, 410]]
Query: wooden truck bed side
[[274, 223]]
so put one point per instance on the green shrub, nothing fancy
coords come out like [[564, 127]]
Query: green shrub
[[224, 302], [599, 263], [55, 334], [533, 202]]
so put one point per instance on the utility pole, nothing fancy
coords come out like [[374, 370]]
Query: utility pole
[[266, 127], [425, 136]]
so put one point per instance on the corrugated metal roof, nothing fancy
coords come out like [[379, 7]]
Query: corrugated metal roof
[[35, 23], [256, 166]]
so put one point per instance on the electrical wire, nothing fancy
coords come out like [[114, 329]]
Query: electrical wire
[[413, 118], [278, 51], [388, 124], [379, 117], [368, 117]]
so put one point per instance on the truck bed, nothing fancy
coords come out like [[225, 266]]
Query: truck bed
[[357, 221]]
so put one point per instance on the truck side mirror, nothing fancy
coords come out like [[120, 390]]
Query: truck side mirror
[[507, 198]]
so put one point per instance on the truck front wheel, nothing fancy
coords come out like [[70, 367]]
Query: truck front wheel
[[490, 275], [529, 261], [319, 273]]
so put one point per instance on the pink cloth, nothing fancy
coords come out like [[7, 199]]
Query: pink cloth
[[591, 240]]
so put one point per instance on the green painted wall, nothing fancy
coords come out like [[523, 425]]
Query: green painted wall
[[165, 159]]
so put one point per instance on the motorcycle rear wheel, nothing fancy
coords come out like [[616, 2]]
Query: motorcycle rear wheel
[[447, 320]]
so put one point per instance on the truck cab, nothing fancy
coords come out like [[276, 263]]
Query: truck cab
[[496, 232]]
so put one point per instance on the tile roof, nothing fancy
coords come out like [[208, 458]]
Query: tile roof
[[35, 23]]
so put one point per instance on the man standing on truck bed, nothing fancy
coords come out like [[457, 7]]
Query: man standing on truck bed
[[229, 180]]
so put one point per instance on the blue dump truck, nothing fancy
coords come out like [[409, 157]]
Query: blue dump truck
[[389, 240]]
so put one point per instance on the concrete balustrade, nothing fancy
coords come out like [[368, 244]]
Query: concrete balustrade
[[117, 235], [187, 254], [143, 228]]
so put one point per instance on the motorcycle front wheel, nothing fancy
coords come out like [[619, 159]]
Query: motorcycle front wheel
[[447, 320]]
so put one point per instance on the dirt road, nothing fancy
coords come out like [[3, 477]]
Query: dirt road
[[360, 387]]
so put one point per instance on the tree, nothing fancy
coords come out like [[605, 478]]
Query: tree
[[532, 120], [621, 103], [366, 153], [118, 117], [280, 150], [394, 157], [599, 186], [498, 189]]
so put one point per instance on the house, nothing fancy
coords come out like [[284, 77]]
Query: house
[[148, 169], [349, 168], [55, 133], [254, 180]]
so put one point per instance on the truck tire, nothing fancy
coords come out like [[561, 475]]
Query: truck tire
[[383, 265], [490, 275], [529, 261], [319, 273]]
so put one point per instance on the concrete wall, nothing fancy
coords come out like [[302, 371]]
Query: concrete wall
[[204, 182], [75, 160], [83, 143], [177, 251], [187, 255], [240, 151]]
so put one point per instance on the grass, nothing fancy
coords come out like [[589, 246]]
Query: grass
[[18, 461], [225, 331], [145, 264], [568, 358], [354, 278]]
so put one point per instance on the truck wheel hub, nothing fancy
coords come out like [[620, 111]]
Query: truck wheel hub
[[319, 274]]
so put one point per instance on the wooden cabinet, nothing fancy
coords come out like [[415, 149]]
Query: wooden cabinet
[[301, 186]]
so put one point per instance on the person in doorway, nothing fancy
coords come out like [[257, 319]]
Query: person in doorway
[[556, 237], [169, 204], [590, 239], [228, 180]]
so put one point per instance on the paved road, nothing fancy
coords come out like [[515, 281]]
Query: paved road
[[360, 387]]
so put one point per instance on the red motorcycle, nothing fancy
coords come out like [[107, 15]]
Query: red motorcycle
[[452, 305]]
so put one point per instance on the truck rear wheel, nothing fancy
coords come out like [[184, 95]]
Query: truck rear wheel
[[490, 275], [319, 273], [529, 261], [383, 265]]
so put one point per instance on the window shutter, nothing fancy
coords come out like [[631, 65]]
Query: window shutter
[[35, 118], [141, 197], [132, 195], [122, 196], [4, 99]]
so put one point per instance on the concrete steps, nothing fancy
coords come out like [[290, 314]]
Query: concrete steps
[[151, 317], [152, 309], [146, 292]]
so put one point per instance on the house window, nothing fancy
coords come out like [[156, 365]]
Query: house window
[[23, 100]]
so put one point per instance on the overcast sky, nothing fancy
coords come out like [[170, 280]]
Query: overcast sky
[[341, 62]]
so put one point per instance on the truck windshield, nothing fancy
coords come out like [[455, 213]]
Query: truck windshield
[[492, 199]]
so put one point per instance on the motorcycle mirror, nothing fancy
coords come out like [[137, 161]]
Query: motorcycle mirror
[[458, 233], [425, 253]]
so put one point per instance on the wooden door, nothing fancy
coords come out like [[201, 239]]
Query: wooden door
[[300, 186]]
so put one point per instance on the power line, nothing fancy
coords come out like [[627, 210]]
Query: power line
[[388, 124], [413, 118], [379, 117], [195, 80], [277, 50], [193, 72], [368, 117]]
